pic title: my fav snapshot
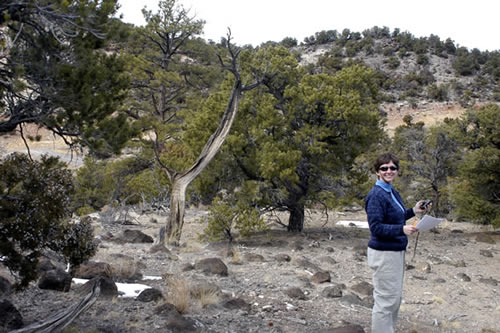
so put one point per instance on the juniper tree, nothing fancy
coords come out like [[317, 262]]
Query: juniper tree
[[297, 135]]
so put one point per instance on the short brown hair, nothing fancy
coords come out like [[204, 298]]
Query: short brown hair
[[384, 159]]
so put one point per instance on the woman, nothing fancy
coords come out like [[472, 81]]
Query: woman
[[387, 217]]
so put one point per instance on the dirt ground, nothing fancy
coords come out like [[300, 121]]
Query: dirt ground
[[451, 284]]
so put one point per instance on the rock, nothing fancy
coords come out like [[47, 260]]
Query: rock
[[353, 299], [490, 281], [150, 295], [295, 293], [180, 324], [5, 286], [486, 253], [187, 267], [212, 266], [363, 288], [333, 291], [10, 317], [237, 304], [463, 277], [306, 264], [45, 265], [108, 287], [253, 257], [166, 310], [55, 279], [159, 248], [321, 277], [283, 257], [135, 236], [327, 260], [93, 269]]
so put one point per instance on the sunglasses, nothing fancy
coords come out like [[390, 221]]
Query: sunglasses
[[385, 168]]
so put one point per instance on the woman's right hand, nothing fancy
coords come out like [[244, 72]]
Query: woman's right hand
[[409, 229]]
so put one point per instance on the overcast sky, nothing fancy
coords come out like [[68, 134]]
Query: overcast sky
[[473, 24]]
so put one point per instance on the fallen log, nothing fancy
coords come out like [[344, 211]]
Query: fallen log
[[59, 321]]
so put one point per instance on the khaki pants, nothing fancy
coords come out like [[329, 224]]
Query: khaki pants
[[388, 274]]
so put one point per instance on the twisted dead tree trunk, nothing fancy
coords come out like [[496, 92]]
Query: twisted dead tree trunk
[[59, 321], [181, 180]]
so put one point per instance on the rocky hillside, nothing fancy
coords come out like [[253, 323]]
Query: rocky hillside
[[411, 70]]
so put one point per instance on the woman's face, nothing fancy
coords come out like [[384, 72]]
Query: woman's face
[[387, 172]]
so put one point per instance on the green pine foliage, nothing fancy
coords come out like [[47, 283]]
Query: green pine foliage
[[35, 197], [476, 191], [129, 181]]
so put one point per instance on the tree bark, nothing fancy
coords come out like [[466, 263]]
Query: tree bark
[[296, 220], [177, 207]]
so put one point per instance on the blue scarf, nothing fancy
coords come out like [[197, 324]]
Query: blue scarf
[[388, 188]]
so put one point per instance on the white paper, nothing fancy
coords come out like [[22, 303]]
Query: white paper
[[428, 222]]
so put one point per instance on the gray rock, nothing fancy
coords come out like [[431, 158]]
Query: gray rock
[[237, 304], [490, 281], [463, 277], [5, 286], [135, 236], [212, 265], [363, 288], [486, 253], [283, 257], [150, 295], [10, 317], [253, 257], [55, 279], [327, 260], [333, 291], [295, 293], [321, 277]]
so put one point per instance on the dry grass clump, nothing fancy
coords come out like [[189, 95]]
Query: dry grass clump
[[126, 270], [236, 256], [206, 293], [209, 297], [179, 294]]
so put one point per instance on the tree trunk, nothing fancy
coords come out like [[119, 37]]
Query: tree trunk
[[59, 321], [297, 194], [177, 207], [296, 220]]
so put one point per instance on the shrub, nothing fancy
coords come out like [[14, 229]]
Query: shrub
[[422, 59], [393, 62], [35, 198], [129, 181], [224, 217], [437, 92]]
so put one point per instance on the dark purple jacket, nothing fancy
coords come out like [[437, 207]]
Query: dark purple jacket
[[386, 220]]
